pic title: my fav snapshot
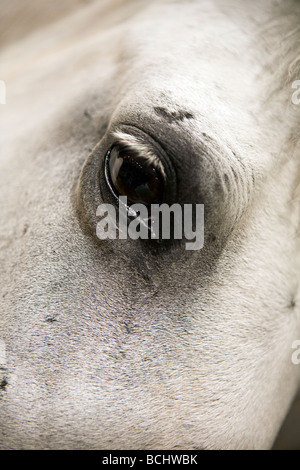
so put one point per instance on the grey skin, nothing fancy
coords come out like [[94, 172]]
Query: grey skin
[[131, 344]]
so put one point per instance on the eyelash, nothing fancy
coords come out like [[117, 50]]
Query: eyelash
[[134, 176]]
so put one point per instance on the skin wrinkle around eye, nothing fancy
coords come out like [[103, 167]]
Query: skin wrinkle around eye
[[224, 184], [224, 169]]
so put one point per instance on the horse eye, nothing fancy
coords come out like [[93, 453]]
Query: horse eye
[[131, 175]]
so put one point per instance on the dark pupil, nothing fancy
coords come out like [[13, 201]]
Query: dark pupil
[[132, 176]]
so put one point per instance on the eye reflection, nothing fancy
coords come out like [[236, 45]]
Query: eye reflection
[[134, 176]]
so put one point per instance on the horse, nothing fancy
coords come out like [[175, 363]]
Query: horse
[[139, 343]]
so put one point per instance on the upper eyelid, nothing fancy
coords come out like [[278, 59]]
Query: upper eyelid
[[131, 142]]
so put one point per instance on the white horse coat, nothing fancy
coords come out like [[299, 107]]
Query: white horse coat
[[111, 344]]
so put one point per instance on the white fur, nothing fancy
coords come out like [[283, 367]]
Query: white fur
[[109, 346]]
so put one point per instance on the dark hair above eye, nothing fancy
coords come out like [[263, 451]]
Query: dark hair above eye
[[131, 174]]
